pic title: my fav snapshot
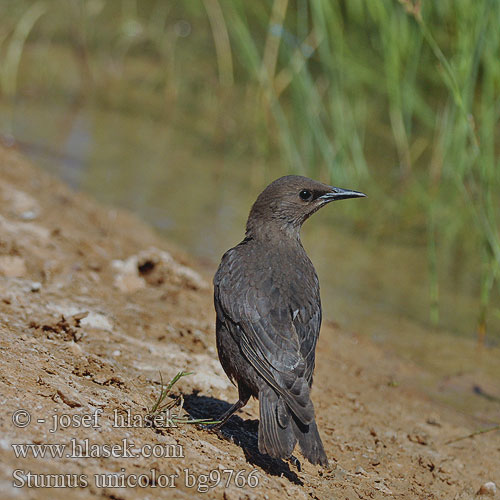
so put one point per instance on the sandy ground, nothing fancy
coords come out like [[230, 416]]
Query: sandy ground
[[94, 306]]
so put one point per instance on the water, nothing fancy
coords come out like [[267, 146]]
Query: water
[[197, 188], [200, 198]]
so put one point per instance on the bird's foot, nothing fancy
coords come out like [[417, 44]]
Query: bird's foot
[[214, 429], [209, 427], [296, 462]]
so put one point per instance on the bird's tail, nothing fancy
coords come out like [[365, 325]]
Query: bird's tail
[[276, 436], [279, 431], [310, 442]]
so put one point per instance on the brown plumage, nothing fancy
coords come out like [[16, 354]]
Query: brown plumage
[[266, 296]]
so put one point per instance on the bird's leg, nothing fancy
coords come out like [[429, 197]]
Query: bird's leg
[[244, 396]]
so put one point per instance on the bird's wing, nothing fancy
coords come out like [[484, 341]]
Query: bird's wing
[[262, 324], [307, 323]]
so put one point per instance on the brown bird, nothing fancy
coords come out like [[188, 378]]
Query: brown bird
[[266, 295]]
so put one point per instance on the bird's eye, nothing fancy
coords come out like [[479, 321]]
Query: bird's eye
[[306, 195]]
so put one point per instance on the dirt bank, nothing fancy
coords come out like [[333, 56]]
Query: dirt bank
[[94, 305]]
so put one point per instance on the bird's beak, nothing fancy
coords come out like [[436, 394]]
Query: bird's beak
[[340, 194]]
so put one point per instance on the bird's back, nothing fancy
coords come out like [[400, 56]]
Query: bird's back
[[272, 284], [268, 320]]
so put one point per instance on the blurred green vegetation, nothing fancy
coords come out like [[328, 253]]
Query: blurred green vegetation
[[399, 98]]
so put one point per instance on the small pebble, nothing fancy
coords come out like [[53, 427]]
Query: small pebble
[[35, 286], [488, 489], [29, 215]]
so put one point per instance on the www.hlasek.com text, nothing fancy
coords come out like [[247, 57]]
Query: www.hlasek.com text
[[87, 449]]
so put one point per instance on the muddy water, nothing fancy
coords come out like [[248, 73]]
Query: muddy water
[[199, 197]]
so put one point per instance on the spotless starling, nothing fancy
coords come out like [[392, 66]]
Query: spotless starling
[[266, 295]]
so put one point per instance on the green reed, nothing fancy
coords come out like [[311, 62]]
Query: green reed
[[398, 97], [428, 71]]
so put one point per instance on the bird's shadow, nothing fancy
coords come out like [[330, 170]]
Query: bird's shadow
[[242, 432]]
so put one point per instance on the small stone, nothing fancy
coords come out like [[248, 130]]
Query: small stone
[[35, 286], [96, 321], [69, 398], [29, 215], [488, 489]]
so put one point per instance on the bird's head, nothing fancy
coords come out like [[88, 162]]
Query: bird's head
[[288, 201]]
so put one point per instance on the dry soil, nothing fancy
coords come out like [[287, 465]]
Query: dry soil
[[94, 306]]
